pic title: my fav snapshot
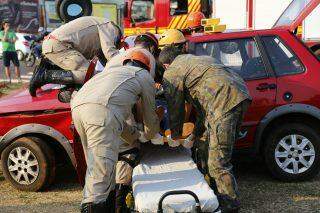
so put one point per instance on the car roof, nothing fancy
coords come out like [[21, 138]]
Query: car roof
[[232, 34]]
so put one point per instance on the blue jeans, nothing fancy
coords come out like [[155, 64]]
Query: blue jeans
[[164, 123]]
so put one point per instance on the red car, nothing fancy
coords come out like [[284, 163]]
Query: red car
[[282, 124]]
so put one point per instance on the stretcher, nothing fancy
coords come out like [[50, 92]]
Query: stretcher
[[168, 180]]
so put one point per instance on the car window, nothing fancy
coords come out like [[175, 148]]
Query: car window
[[241, 55], [178, 7], [283, 60], [142, 10]]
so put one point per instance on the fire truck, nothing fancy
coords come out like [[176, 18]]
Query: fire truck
[[138, 16]]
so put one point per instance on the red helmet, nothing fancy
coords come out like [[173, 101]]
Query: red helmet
[[140, 56], [194, 19]]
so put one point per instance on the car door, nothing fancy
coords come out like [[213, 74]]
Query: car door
[[246, 57]]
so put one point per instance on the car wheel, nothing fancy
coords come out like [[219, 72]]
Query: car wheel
[[292, 152], [73, 9], [20, 55], [28, 164]]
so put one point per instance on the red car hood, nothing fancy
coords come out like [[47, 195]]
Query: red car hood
[[22, 101]]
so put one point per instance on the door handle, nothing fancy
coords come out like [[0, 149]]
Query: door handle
[[265, 86]]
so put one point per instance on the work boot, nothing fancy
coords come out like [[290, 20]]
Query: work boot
[[121, 194], [111, 201], [94, 208], [42, 76], [228, 205]]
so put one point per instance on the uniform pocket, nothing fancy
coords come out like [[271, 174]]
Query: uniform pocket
[[94, 114], [95, 120]]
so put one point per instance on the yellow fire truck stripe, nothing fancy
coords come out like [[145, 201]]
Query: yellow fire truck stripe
[[193, 6], [176, 22]]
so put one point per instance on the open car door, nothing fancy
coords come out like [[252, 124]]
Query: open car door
[[295, 13]]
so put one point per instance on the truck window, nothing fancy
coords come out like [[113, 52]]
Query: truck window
[[241, 55], [283, 60], [142, 10], [178, 7]]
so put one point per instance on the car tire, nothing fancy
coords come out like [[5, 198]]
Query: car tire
[[28, 164], [290, 162], [85, 5], [20, 55]]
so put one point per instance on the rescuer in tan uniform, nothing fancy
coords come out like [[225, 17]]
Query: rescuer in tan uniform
[[72, 45], [100, 110], [128, 153]]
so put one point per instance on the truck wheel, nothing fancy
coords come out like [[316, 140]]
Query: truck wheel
[[73, 9], [28, 164], [292, 152]]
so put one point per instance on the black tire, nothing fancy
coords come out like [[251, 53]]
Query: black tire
[[30, 60], [86, 6], [58, 3], [44, 156], [20, 55], [274, 137]]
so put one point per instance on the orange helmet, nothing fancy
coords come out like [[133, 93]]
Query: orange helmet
[[194, 19], [138, 55]]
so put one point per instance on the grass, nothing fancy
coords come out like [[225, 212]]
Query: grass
[[6, 88]]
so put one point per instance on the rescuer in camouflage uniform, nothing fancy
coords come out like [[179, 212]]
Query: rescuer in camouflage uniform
[[220, 98]]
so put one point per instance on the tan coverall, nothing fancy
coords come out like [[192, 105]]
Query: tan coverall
[[123, 169], [99, 111], [72, 45]]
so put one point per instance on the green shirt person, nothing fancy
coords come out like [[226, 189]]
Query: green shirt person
[[8, 39]]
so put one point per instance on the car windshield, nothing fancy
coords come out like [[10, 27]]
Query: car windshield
[[292, 12]]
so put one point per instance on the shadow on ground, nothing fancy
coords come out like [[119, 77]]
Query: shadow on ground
[[259, 192]]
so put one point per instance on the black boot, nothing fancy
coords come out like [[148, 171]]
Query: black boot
[[94, 208], [121, 194], [42, 76], [111, 200], [227, 204]]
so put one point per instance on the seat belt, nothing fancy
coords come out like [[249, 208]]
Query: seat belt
[[91, 69]]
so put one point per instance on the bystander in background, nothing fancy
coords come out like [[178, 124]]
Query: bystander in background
[[8, 39]]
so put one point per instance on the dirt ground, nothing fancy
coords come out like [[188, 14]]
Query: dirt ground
[[259, 192]]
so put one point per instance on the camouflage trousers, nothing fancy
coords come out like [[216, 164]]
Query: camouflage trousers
[[222, 134]]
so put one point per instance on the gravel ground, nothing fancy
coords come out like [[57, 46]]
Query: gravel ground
[[259, 192]]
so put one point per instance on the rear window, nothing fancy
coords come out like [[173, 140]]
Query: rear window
[[240, 55], [142, 10], [283, 59], [178, 7]]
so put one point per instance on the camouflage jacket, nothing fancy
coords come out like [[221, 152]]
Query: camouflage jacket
[[206, 84]]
